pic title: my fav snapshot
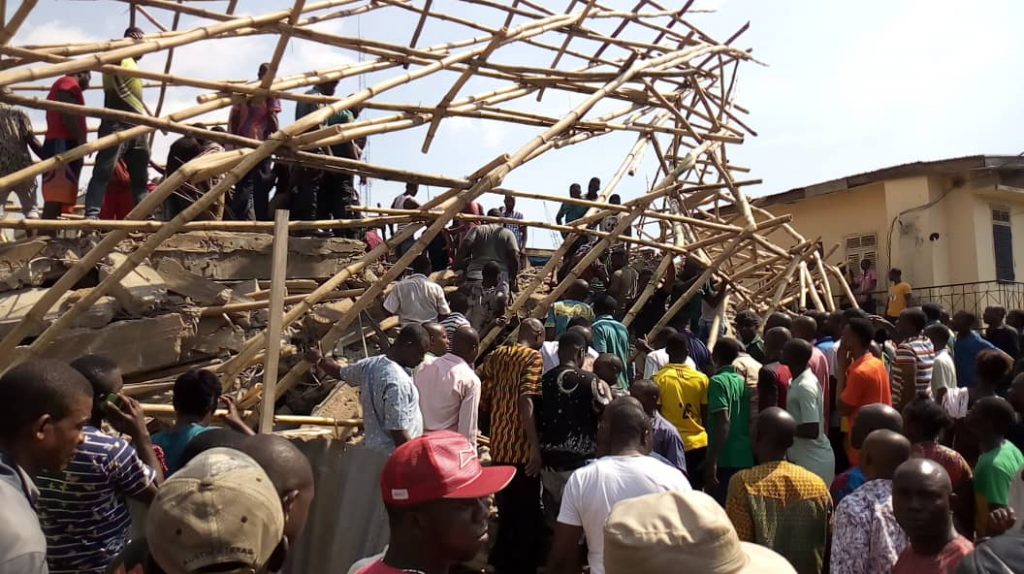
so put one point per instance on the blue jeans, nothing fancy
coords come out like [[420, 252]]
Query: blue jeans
[[134, 152]]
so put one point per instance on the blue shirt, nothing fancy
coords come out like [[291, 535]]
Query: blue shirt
[[174, 442], [611, 336], [82, 508], [965, 356], [389, 399], [667, 443]]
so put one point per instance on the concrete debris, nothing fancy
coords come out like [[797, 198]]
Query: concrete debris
[[139, 292], [199, 289], [136, 346]]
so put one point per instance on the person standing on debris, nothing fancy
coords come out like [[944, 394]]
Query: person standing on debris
[[486, 243], [570, 212], [449, 389], [623, 285], [82, 507], [44, 405], [436, 491], [122, 93], [488, 298], [197, 393], [308, 181], [254, 118], [611, 336], [571, 305], [16, 139], [387, 393], [520, 231], [511, 381], [593, 188], [417, 298], [64, 131], [405, 201]]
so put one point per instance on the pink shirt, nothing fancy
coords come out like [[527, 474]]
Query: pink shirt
[[868, 281], [449, 396], [819, 366]]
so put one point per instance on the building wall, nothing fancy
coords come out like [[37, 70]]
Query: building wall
[[836, 216]]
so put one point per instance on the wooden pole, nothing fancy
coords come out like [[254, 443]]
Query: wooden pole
[[279, 271]]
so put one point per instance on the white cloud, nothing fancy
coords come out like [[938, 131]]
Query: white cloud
[[54, 32]]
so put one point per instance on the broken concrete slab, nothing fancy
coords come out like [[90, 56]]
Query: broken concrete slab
[[27, 264], [197, 288], [98, 315], [14, 305], [136, 346], [139, 292], [215, 336], [223, 256]]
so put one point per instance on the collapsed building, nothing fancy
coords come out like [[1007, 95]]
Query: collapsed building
[[160, 297]]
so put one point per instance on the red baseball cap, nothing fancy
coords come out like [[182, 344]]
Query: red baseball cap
[[436, 466]]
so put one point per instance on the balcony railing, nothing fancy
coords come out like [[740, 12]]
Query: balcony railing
[[973, 297]]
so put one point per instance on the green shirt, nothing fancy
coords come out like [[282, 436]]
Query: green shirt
[[994, 473], [611, 336], [124, 92], [728, 392], [571, 212]]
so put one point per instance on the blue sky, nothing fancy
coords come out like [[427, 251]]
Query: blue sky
[[848, 87]]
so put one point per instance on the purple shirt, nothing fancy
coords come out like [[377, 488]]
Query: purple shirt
[[668, 443]]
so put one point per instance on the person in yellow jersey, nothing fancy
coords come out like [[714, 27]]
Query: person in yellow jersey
[[684, 402], [899, 295]]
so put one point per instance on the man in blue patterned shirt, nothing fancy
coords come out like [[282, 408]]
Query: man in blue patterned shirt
[[82, 507]]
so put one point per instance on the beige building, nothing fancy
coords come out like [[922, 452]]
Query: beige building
[[955, 227]]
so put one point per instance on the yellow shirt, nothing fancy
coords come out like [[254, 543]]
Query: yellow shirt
[[683, 391], [897, 299]]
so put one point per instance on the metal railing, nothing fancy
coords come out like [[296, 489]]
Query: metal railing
[[973, 297]]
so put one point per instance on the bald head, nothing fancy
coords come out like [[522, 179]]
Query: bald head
[[796, 353], [578, 290], [774, 339], [921, 492], [466, 343], [625, 427], [438, 338], [648, 393], [291, 474], [531, 333], [585, 332], [776, 430], [608, 367], [805, 328], [874, 417], [778, 319], [883, 451]]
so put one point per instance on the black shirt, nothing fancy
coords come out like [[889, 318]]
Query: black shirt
[[567, 418], [1005, 338]]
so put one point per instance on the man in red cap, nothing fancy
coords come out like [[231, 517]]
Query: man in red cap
[[434, 489]]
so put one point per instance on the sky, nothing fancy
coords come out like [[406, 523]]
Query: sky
[[845, 87]]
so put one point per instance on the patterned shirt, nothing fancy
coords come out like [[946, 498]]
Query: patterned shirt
[[781, 506], [916, 351], [518, 230], [15, 130], [867, 539], [255, 118], [954, 464], [82, 508], [511, 372], [389, 399], [561, 312], [846, 483]]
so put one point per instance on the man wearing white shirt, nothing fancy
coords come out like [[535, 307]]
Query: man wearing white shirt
[[943, 369], [624, 471], [417, 299], [658, 358], [449, 389], [549, 351]]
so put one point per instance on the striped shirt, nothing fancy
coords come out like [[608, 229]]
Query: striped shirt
[[82, 508], [451, 323], [919, 352], [511, 372]]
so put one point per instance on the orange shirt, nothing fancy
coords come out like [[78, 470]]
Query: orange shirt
[[867, 382]]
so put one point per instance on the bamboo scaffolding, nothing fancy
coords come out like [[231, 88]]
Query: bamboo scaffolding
[[649, 71]]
